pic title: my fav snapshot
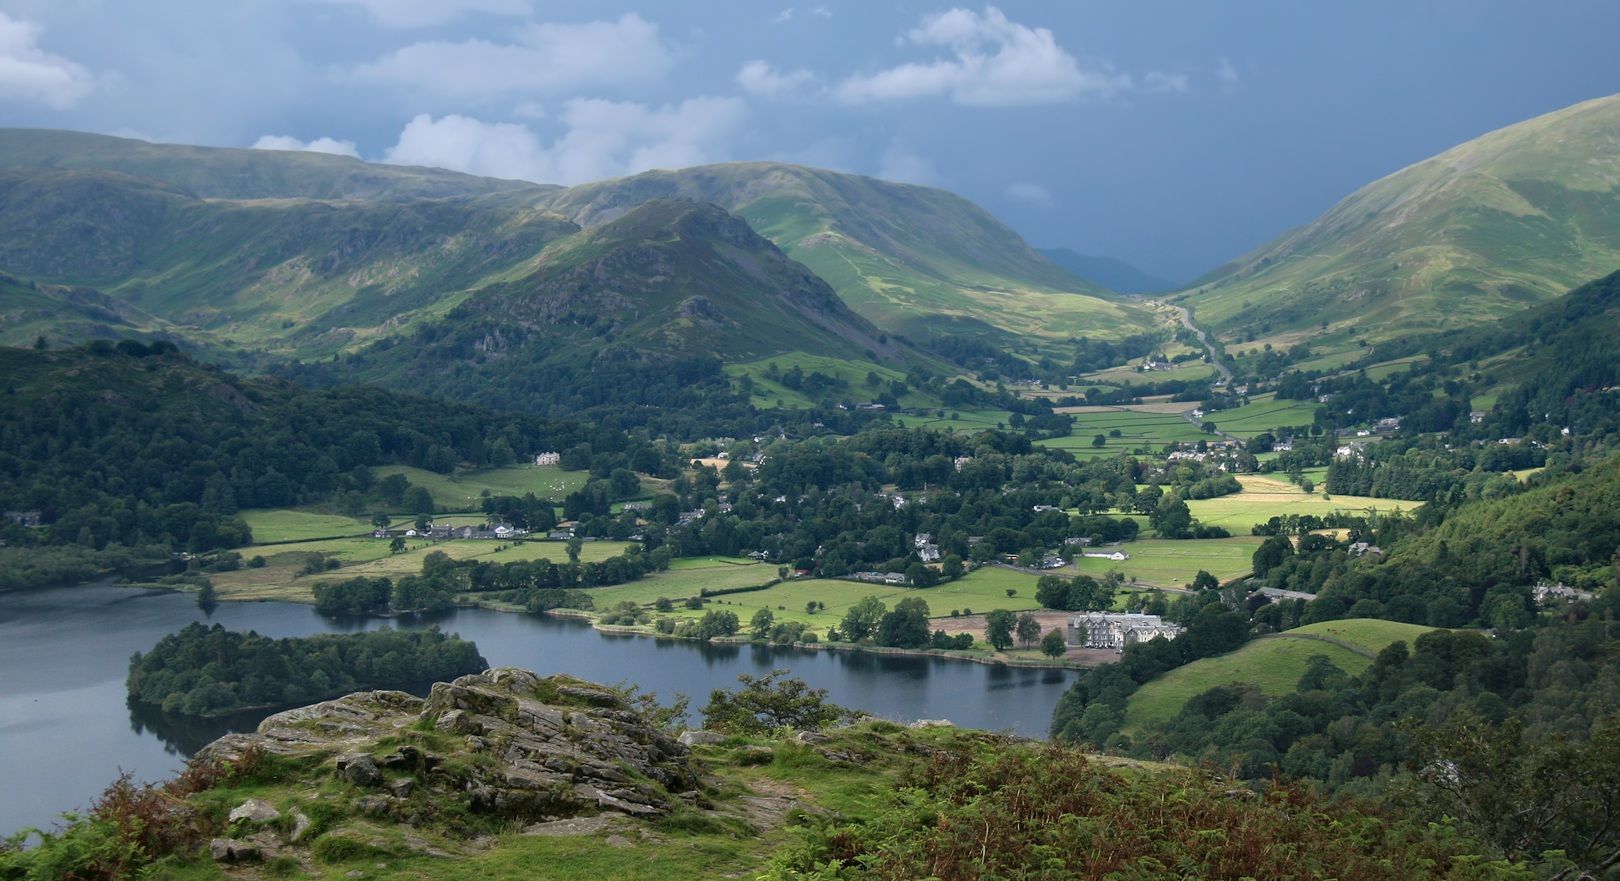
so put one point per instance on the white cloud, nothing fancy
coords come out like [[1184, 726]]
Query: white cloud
[[821, 12], [29, 73], [1226, 74], [544, 57], [903, 165], [420, 13], [602, 139], [1159, 81], [784, 16], [1028, 193], [319, 145], [992, 62], [759, 78]]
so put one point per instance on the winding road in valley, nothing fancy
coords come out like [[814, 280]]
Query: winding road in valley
[[1203, 340]]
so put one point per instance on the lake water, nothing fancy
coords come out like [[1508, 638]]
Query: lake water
[[66, 729]]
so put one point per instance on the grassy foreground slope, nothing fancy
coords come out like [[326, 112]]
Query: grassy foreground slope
[[505, 774], [1272, 664], [913, 260], [1513, 218]]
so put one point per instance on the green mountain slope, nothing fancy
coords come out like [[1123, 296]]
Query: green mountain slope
[[912, 260], [1505, 221], [296, 276], [227, 173], [669, 279]]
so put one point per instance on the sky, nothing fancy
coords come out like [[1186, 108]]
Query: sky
[[1174, 135]]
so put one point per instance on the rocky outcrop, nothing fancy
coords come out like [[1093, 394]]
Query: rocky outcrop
[[505, 742]]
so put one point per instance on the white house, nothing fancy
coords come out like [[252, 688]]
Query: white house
[[1112, 630], [548, 458], [1116, 556]]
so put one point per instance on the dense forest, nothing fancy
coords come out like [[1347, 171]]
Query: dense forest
[[210, 671]]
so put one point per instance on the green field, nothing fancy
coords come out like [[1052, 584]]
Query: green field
[[287, 524], [1263, 413], [1159, 562], [956, 420], [1129, 375], [769, 393], [1272, 664], [464, 490], [369, 557], [1136, 429], [1264, 497]]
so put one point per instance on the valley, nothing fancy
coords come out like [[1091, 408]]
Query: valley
[[1344, 509]]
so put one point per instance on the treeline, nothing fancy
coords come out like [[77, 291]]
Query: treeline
[[539, 585], [90, 438], [210, 671]]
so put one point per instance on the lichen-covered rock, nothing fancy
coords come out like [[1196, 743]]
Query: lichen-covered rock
[[229, 850], [525, 746], [700, 737]]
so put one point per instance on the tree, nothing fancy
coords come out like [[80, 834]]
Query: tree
[[392, 488], [998, 628], [574, 547], [381, 521], [664, 604], [1205, 581], [810, 607], [207, 599], [716, 622], [1171, 517], [418, 500], [766, 703], [1099, 441], [862, 619], [906, 626], [1053, 644], [759, 626], [1272, 553], [1027, 629], [397, 545], [951, 566]]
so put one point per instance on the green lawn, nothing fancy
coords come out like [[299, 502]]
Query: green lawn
[[687, 577], [464, 489], [1272, 664], [287, 524], [956, 420]]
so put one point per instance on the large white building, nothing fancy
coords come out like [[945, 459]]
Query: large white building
[[1112, 630]]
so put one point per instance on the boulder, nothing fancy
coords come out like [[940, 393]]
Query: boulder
[[301, 826], [255, 811], [932, 723], [229, 850], [359, 769], [701, 737]]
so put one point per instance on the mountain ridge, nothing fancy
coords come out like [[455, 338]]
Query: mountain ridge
[[1512, 218]]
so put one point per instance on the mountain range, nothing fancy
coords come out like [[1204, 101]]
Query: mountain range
[[302, 256]]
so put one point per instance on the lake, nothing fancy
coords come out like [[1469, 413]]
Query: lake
[[66, 730]]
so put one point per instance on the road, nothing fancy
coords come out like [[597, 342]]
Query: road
[[1203, 340]]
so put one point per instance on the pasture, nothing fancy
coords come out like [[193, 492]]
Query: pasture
[[288, 524], [465, 490], [769, 393], [1157, 562], [1263, 413], [1273, 664], [1264, 497]]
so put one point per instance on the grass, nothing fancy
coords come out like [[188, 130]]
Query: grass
[[769, 393], [287, 524], [1173, 563], [1264, 497], [465, 489], [1272, 664], [1263, 413], [687, 577], [369, 557]]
